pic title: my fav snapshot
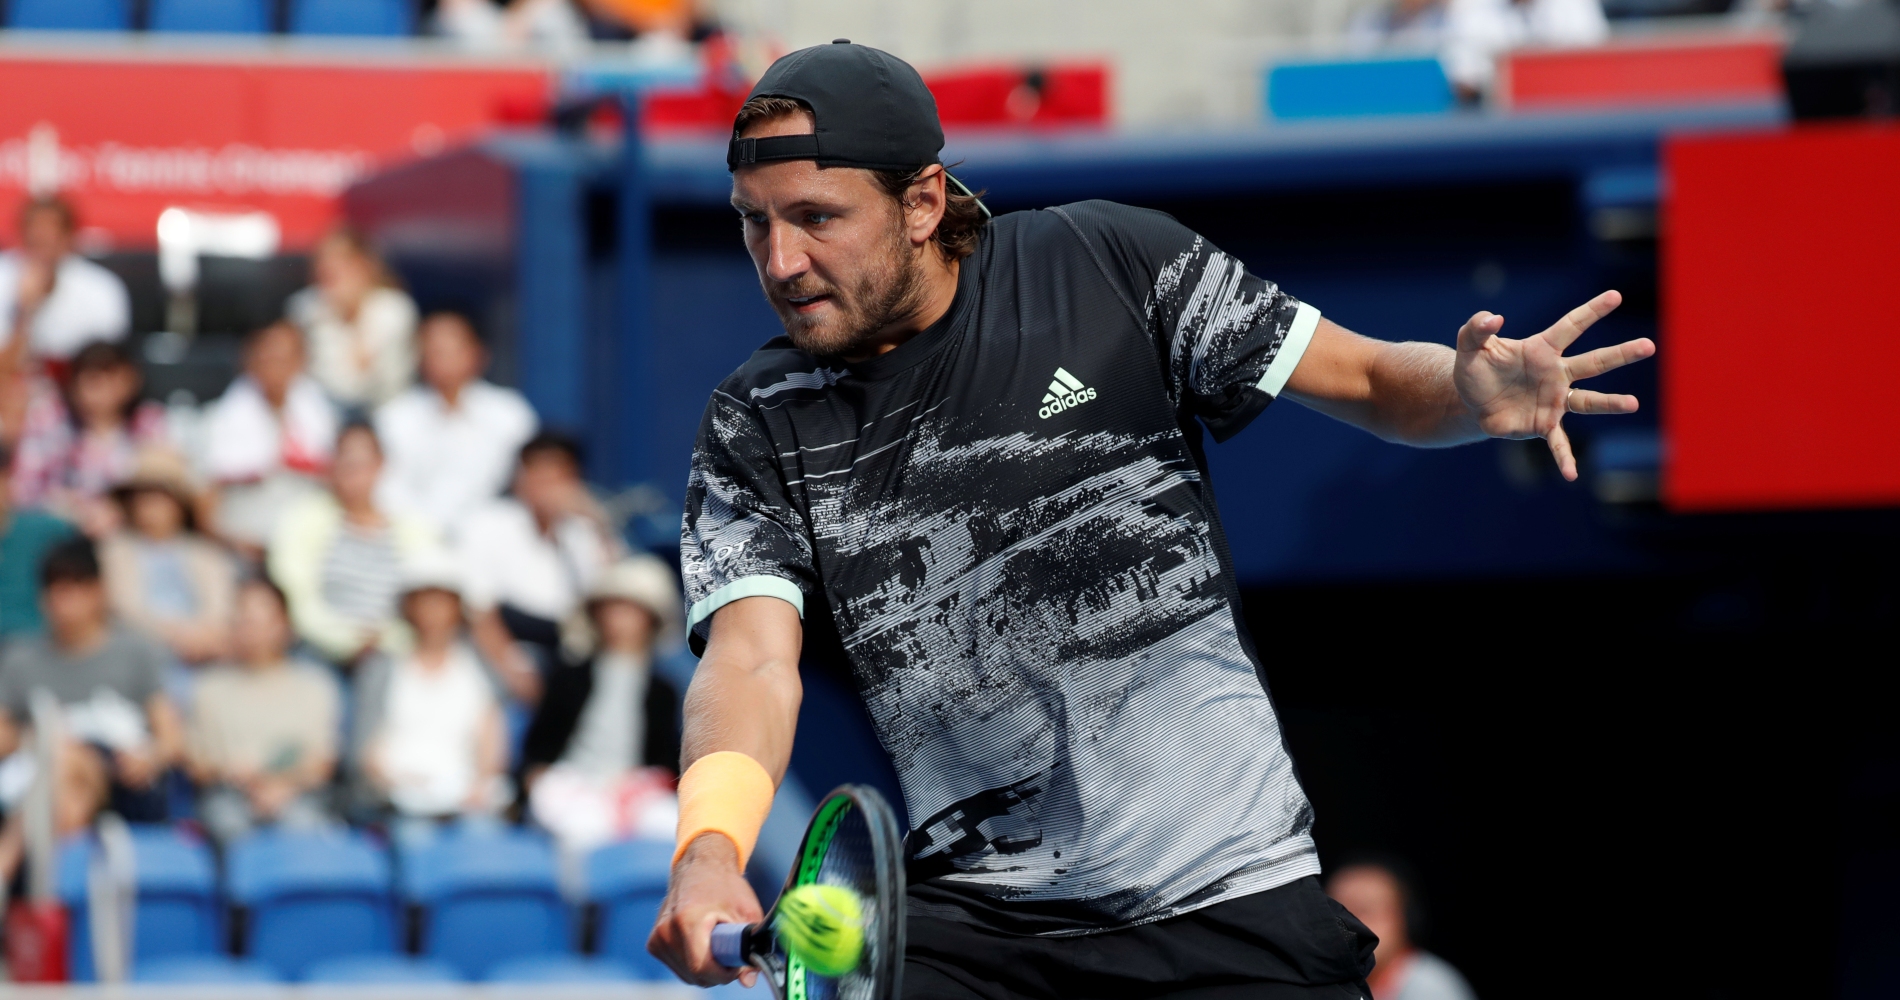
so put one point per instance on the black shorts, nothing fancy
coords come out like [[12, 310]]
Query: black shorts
[[1289, 942]]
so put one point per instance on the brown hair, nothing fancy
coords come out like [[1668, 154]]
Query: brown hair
[[359, 244], [963, 216]]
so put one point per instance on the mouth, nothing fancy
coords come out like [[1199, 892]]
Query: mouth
[[806, 303]]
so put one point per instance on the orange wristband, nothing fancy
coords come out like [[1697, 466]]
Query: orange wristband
[[725, 792]]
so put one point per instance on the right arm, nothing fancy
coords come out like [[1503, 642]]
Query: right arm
[[744, 697]]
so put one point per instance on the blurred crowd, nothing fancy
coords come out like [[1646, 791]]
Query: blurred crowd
[[563, 27], [363, 586], [1469, 35]]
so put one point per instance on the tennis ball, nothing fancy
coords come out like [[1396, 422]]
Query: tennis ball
[[822, 925]]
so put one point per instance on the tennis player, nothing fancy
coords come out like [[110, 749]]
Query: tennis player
[[973, 467]]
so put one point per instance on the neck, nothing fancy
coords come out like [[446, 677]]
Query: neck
[[81, 638], [451, 396], [936, 293], [433, 651], [362, 512], [102, 424], [259, 663]]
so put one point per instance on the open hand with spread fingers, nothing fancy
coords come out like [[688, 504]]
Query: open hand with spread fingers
[[1522, 388]]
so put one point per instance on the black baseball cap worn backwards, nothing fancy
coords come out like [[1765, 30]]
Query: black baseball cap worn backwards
[[869, 109]]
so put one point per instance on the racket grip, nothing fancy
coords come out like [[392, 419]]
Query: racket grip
[[728, 944]]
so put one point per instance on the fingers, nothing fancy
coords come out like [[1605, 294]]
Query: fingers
[[1478, 329], [1590, 364], [1585, 401], [1560, 450], [1566, 331]]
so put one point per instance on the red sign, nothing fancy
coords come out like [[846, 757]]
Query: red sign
[[126, 139], [1779, 337], [1692, 71]]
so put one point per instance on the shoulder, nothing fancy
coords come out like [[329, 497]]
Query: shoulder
[[391, 304], [89, 275], [499, 402], [1105, 218], [133, 643], [1433, 978], [314, 680], [496, 518], [216, 683], [405, 406], [40, 526], [21, 650]]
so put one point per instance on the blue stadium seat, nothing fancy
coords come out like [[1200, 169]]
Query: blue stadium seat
[[70, 15], [204, 969], [627, 881], [366, 970], [562, 969], [242, 17], [312, 896], [351, 17], [488, 897], [178, 911]]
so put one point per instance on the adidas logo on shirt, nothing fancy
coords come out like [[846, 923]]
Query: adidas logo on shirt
[[1065, 391]]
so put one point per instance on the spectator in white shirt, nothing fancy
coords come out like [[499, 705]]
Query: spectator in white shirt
[[431, 735], [63, 300], [1477, 32], [267, 439], [362, 328], [452, 440], [532, 558]]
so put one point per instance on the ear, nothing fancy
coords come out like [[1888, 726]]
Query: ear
[[924, 203]]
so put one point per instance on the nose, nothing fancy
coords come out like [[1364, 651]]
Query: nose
[[785, 257]]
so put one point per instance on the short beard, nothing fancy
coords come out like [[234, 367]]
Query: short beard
[[881, 297]]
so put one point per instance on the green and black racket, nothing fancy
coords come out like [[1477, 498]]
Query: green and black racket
[[837, 930]]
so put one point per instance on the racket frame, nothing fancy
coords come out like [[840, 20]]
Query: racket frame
[[788, 975]]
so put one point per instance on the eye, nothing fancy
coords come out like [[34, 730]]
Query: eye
[[817, 218], [752, 218]]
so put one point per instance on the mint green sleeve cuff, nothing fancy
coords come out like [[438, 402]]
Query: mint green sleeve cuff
[[746, 586], [1292, 349]]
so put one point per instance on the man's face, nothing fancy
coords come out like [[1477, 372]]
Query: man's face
[[276, 359], [546, 483], [74, 607], [43, 236], [451, 356], [832, 250], [259, 630]]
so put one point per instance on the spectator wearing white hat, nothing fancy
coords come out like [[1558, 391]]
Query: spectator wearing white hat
[[604, 746], [430, 734]]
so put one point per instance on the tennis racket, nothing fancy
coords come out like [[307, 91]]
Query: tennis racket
[[852, 843]]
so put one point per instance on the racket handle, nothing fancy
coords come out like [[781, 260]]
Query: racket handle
[[728, 944]]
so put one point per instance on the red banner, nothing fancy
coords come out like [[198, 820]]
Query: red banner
[[126, 139], [1779, 340]]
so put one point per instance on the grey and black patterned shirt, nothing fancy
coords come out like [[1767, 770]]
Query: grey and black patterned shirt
[[1008, 524]]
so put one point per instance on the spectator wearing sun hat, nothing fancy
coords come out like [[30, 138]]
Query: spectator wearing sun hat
[[431, 742], [162, 576], [604, 745]]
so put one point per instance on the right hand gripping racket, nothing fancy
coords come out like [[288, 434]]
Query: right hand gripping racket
[[851, 844]]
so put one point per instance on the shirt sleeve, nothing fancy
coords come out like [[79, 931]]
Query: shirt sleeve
[[741, 536], [1227, 338]]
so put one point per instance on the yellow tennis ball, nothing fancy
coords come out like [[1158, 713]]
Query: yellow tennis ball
[[823, 925]]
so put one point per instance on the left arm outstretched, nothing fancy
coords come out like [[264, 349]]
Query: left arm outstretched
[[1430, 395]]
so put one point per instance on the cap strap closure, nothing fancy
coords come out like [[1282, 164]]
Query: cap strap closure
[[742, 152]]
